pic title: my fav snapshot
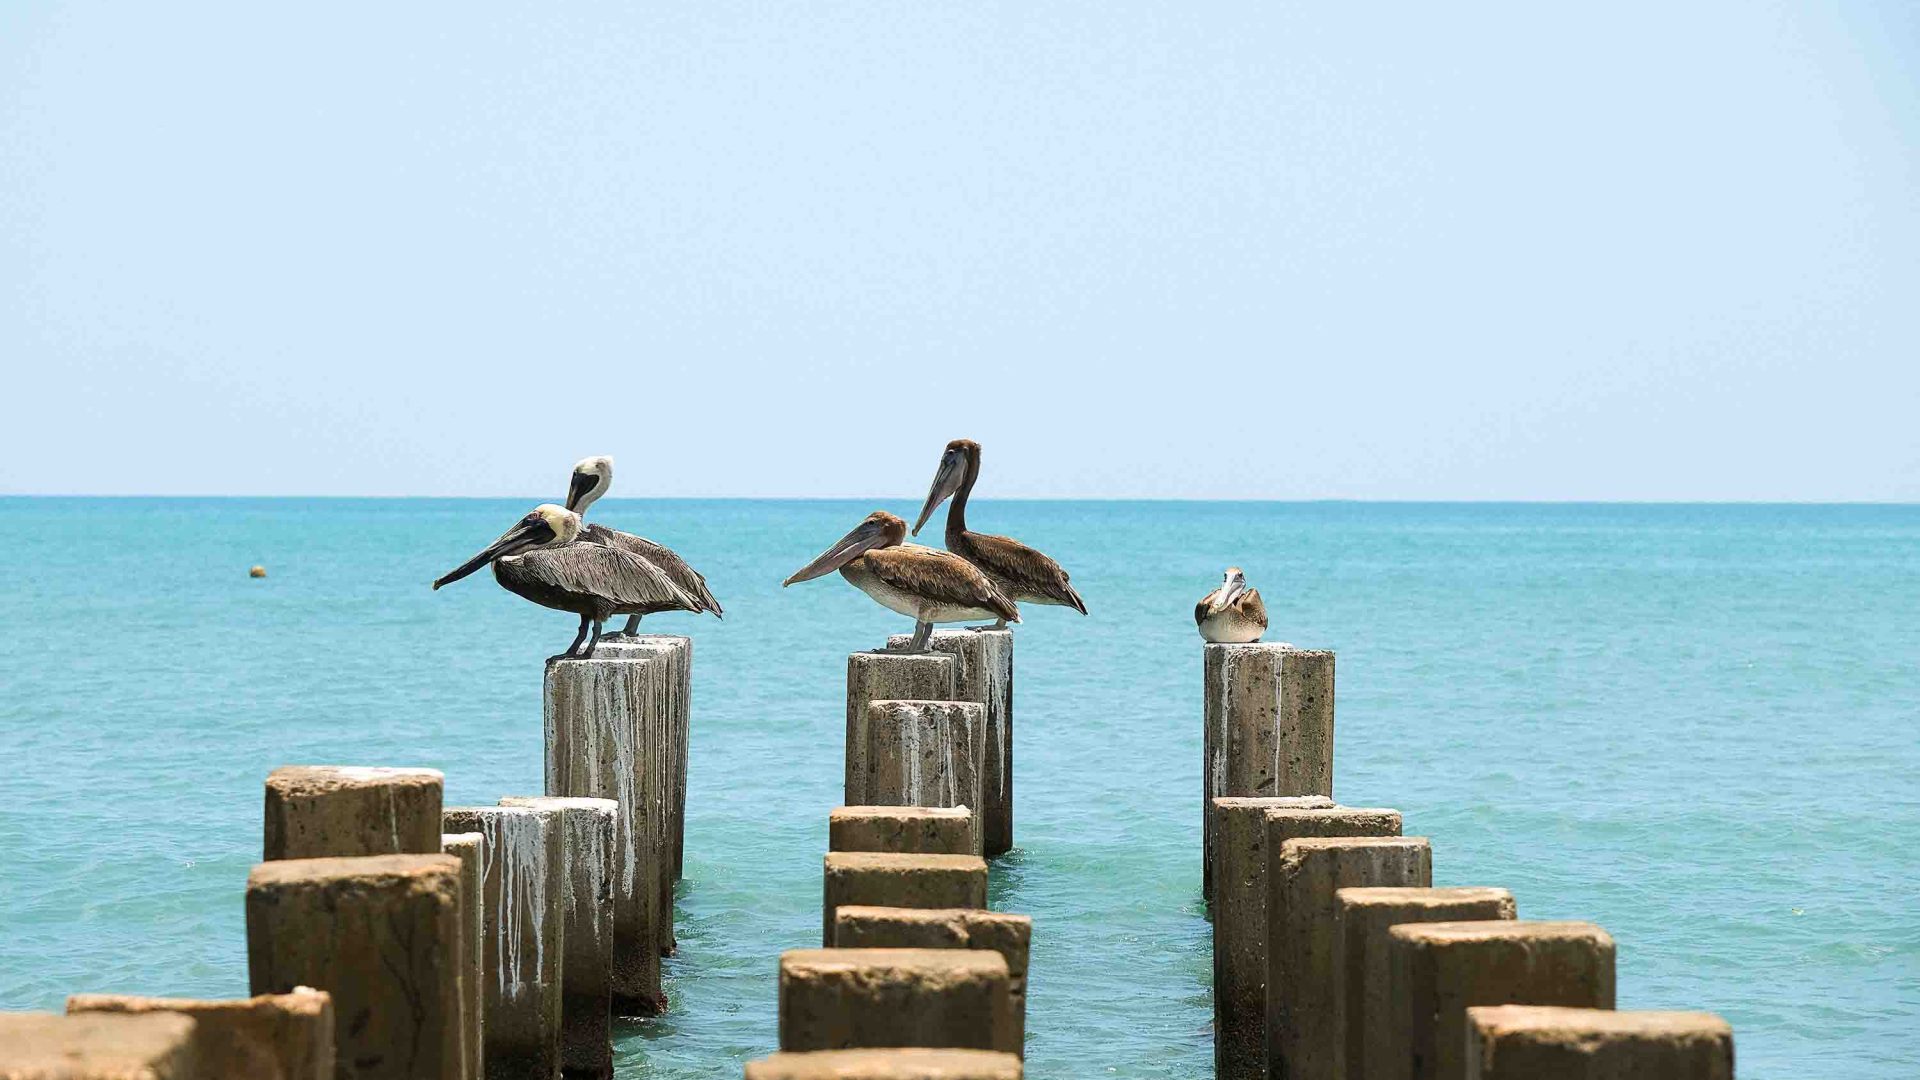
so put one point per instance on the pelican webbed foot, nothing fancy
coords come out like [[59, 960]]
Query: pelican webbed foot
[[922, 632]]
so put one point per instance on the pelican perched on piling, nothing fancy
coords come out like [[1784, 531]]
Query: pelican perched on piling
[[591, 479], [1231, 614], [542, 559], [925, 584], [1026, 576]]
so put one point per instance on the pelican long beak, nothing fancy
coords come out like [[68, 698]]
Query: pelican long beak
[[946, 481], [517, 539], [864, 538], [583, 483]]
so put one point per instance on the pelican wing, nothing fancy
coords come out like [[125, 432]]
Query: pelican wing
[[1024, 568], [1254, 608], [615, 575], [1205, 607], [670, 563], [939, 575]]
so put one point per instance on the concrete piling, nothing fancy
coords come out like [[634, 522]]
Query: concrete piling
[[1011, 936], [1304, 1035], [1376, 1038], [467, 847], [1524, 1042], [903, 830], [839, 999], [523, 891], [95, 1046], [886, 676], [1269, 728], [983, 672], [270, 1037], [381, 935], [878, 879], [1439, 970], [586, 988], [899, 1063], [924, 753], [328, 811], [676, 651]]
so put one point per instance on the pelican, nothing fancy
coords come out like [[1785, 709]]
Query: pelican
[[1023, 574], [542, 559], [591, 479], [926, 584], [1231, 614]]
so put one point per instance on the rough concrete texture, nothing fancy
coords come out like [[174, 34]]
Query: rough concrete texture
[[1240, 845], [857, 927], [586, 992], [1439, 970], [379, 933], [1305, 1040], [924, 753], [608, 737], [1525, 1042], [270, 1037], [523, 893], [1376, 1037], [468, 847], [899, 1063], [881, 879], [1269, 728], [96, 1046], [838, 999], [886, 676], [925, 830], [983, 672], [329, 811], [676, 651]]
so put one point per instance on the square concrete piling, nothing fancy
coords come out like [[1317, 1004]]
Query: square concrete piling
[[886, 676], [469, 848], [1439, 970], [270, 1037], [1268, 728], [983, 672], [838, 999], [903, 830], [676, 651], [381, 935], [1526, 1042], [586, 995], [1376, 1037], [332, 811], [1011, 936], [896, 1063], [924, 753], [96, 1046], [1305, 1040], [878, 879]]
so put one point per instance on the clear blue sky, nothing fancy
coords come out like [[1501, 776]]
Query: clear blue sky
[[1635, 251]]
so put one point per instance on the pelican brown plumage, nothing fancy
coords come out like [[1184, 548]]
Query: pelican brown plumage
[[591, 479], [543, 560], [1026, 576], [1232, 613], [925, 584]]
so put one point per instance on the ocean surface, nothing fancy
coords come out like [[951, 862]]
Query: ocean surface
[[1696, 725]]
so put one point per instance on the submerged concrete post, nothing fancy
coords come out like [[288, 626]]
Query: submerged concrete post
[[1240, 846], [523, 890], [467, 847], [1376, 1038], [1439, 970], [270, 1037], [37, 1045], [983, 672], [1011, 936], [677, 652], [924, 753], [328, 811], [586, 988], [897, 1063], [1304, 1039], [1269, 728], [837, 999], [1524, 1042], [606, 738], [876, 879], [380, 934], [886, 676], [903, 830]]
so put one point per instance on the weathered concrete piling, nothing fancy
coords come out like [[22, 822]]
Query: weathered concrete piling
[[606, 736], [586, 998], [326, 811], [923, 753], [877, 879], [983, 672], [837, 999], [48, 1046], [523, 891], [900, 1063], [270, 1037], [1011, 936], [1269, 727], [886, 676], [467, 847], [379, 933], [677, 652], [903, 830], [1523, 1042]]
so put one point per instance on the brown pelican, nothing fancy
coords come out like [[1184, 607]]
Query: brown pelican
[[926, 584], [1023, 574], [591, 479], [542, 559], [1232, 613]]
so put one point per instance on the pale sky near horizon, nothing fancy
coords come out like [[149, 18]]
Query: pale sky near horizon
[[1260, 250]]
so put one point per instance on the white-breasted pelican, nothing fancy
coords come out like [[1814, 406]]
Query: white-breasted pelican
[[925, 584], [1232, 613]]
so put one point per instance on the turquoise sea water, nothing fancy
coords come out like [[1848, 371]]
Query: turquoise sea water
[[1696, 725]]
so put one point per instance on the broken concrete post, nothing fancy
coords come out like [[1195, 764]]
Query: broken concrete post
[[523, 892], [878, 879], [902, 830], [1304, 1038], [468, 848], [270, 1037], [1376, 1038], [677, 652], [586, 989], [329, 811], [896, 1063], [924, 753], [857, 927], [606, 735], [1439, 970], [983, 672], [379, 933], [1525, 1042], [1269, 728], [94, 1046], [838, 999], [886, 676]]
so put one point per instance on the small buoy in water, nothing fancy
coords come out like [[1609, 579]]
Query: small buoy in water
[[258, 571]]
